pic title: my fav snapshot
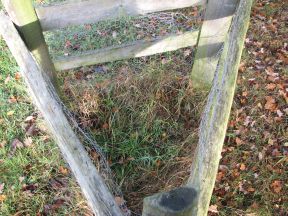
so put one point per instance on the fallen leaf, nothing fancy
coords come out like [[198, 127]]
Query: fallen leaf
[[105, 126], [1, 187], [32, 130], [58, 183], [213, 209], [17, 76], [57, 204], [119, 201], [29, 119], [270, 104], [242, 167], [16, 144], [63, 170], [238, 141], [10, 113], [276, 186], [7, 79], [28, 142], [187, 52], [271, 86], [12, 99], [3, 143], [2, 197]]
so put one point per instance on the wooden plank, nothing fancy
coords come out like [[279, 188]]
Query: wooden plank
[[126, 51], [217, 111], [140, 7], [24, 16], [91, 11], [177, 202], [214, 30], [100, 199]]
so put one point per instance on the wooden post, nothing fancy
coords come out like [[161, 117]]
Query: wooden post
[[217, 20], [24, 17], [178, 202], [217, 111], [92, 185]]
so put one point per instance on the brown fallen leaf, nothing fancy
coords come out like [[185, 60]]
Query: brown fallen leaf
[[238, 141], [105, 126], [276, 186], [242, 167], [63, 170], [2, 197], [32, 130], [213, 209], [28, 141], [270, 104], [119, 201], [16, 143], [12, 99], [271, 86], [3, 143], [17, 76]]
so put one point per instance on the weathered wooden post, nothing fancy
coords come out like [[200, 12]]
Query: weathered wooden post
[[24, 17], [177, 202], [216, 115], [93, 187], [217, 21]]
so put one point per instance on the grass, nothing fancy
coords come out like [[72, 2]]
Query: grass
[[77, 39], [27, 173], [144, 121]]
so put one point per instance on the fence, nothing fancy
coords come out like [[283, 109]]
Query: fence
[[210, 71]]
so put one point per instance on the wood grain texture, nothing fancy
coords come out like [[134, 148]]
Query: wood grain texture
[[217, 111], [126, 51], [99, 198], [177, 202], [213, 33], [91, 11], [24, 16]]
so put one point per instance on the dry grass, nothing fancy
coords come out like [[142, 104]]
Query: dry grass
[[146, 121]]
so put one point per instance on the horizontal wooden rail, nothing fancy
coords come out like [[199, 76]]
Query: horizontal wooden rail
[[126, 51], [91, 11]]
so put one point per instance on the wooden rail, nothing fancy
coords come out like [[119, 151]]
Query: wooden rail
[[217, 111], [91, 11], [99, 198], [217, 21], [126, 51], [24, 17]]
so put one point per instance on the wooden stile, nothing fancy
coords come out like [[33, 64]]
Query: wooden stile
[[24, 16], [216, 115], [217, 22], [126, 51], [91, 11], [177, 202], [193, 199], [98, 196]]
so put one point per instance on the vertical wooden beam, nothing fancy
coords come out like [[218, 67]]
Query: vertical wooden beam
[[92, 185], [24, 17], [177, 202], [217, 111], [217, 20]]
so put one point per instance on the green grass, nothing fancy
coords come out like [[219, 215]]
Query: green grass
[[143, 117], [77, 39], [144, 114], [36, 165]]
